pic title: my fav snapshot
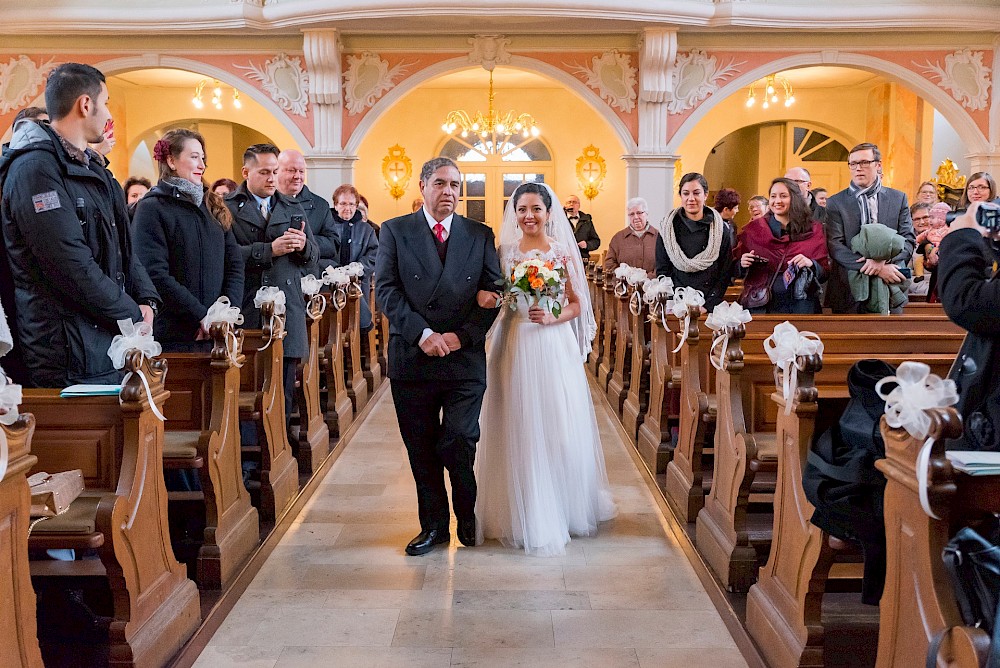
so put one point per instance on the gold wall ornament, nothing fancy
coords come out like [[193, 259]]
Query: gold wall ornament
[[590, 171], [397, 168], [948, 176]]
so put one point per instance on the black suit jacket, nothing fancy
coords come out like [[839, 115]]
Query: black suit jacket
[[585, 231], [416, 291], [843, 224]]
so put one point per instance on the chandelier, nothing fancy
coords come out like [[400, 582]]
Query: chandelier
[[771, 86], [216, 95], [498, 132]]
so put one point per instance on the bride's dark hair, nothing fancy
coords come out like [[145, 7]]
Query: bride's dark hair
[[536, 188]]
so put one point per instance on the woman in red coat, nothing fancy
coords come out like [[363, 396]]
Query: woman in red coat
[[783, 255]]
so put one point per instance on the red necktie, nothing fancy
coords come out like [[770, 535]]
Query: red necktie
[[439, 232]]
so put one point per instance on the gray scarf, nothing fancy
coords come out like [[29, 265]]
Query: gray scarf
[[868, 200], [193, 191]]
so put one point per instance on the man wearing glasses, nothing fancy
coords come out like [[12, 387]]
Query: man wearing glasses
[[863, 202]]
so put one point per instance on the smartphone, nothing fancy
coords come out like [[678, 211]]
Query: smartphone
[[297, 221]]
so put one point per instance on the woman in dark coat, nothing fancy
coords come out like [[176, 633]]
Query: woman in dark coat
[[783, 255], [183, 237], [694, 248]]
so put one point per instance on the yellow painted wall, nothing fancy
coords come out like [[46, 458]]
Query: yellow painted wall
[[567, 123]]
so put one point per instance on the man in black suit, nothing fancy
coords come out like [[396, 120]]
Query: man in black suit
[[291, 182], [863, 202], [430, 266], [583, 226]]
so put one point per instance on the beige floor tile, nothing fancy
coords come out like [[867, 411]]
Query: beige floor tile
[[639, 628], [244, 656], [305, 627], [473, 628], [510, 576], [313, 577], [312, 533], [690, 658], [340, 490], [492, 599], [418, 599], [364, 657], [544, 658]]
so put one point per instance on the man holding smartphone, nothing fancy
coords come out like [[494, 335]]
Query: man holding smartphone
[[276, 242]]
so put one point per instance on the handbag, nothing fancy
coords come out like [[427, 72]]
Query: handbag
[[759, 296], [52, 493]]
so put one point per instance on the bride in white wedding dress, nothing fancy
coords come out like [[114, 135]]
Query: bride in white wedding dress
[[539, 468]]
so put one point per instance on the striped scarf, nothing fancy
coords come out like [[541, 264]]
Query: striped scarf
[[868, 200]]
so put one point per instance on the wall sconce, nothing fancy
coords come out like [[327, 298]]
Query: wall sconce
[[590, 171], [397, 168]]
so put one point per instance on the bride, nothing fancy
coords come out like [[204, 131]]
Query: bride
[[540, 468]]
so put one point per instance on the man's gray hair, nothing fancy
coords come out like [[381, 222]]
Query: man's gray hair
[[435, 164], [637, 201]]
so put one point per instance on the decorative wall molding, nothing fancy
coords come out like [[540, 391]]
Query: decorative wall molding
[[659, 50], [321, 49], [611, 74], [284, 80], [964, 75], [369, 77], [20, 81], [489, 51], [695, 76]]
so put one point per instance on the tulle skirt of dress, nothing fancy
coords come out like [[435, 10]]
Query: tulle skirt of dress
[[539, 466]]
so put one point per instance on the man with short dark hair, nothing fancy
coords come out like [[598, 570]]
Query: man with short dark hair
[[865, 201], [275, 251], [135, 189], [583, 226], [819, 196], [32, 114], [727, 203], [73, 274], [292, 184]]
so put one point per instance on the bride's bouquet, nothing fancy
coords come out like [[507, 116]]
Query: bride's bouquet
[[535, 279]]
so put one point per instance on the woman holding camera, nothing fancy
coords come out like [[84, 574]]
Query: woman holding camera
[[783, 255], [184, 238]]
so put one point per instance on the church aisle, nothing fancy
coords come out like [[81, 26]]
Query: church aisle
[[339, 591]]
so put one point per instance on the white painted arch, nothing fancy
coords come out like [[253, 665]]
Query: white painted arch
[[968, 131], [146, 62], [411, 83]]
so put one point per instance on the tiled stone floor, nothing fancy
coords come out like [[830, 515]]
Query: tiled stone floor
[[339, 591]]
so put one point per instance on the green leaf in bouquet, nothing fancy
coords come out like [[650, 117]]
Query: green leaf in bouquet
[[556, 309]]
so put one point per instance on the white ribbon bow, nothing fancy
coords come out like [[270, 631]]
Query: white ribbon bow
[[906, 406], [621, 272], [223, 311], [684, 299], [722, 320], [311, 287], [656, 292], [338, 280], [635, 277], [275, 296], [783, 346], [10, 399], [135, 336]]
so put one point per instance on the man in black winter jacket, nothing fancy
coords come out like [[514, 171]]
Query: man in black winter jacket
[[66, 238], [291, 181]]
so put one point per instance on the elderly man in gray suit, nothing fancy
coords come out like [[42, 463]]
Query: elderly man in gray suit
[[863, 202]]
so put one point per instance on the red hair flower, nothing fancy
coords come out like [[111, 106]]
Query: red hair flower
[[161, 150]]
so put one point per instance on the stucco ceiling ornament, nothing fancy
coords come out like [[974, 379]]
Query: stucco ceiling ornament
[[697, 75], [964, 75], [284, 80], [368, 77], [489, 51], [611, 74], [20, 80]]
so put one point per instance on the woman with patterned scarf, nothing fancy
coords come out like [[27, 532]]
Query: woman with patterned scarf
[[694, 249]]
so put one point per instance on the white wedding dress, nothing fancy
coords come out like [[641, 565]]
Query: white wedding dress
[[539, 466]]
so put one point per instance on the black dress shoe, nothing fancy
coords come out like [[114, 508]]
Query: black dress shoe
[[425, 542], [467, 532]]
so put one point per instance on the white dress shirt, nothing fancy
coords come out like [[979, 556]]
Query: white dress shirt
[[447, 233]]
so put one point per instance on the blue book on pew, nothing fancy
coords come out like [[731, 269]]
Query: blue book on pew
[[975, 462], [91, 391]]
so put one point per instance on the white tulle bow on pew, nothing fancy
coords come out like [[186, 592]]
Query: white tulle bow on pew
[[10, 399], [658, 293], [310, 288], [722, 320], [686, 298], [338, 279], [621, 283], [917, 391], [783, 346], [274, 295], [634, 278], [223, 311], [135, 336]]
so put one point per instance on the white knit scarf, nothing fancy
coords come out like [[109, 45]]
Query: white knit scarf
[[702, 260]]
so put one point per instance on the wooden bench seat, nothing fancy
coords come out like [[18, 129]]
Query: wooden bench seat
[[354, 377], [337, 406], [313, 443], [621, 373], [596, 285], [154, 607], [637, 398], [655, 442], [612, 303]]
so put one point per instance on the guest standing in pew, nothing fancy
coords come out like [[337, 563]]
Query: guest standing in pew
[[356, 242], [183, 235], [67, 238], [363, 208], [927, 193], [694, 249], [783, 255], [863, 202], [223, 187], [973, 302], [292, 184], [980, 188], [757, 206], [274, 251], [636, 244]]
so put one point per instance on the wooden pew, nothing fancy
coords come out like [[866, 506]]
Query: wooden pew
[[313, 443], [262, 401], [354, 377], [337, 405], [597, 300], [203, 413], [610, 310], [655, 444], [621, 373], [745, 450], [19, 640], [371, 367], [685, 479], [154, 607], [918, 601], [637, 399]]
